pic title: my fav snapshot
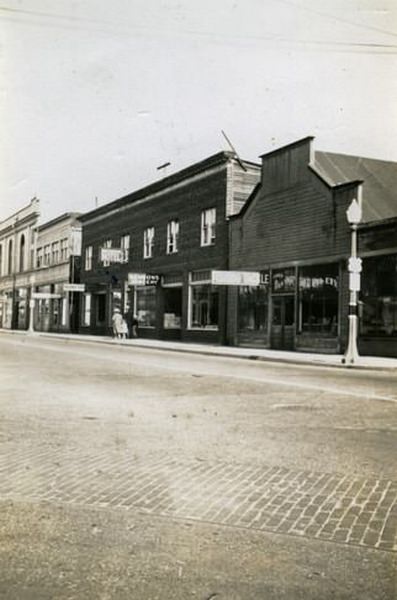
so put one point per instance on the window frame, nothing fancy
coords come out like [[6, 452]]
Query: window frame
[[172, 236], [148, 242], [208, 227]]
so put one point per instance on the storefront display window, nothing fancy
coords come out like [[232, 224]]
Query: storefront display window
[[204, 306], [145, 306], [318, 299], [87, 310], [172, 308], [252, 309], [100, 302], [378, 307]]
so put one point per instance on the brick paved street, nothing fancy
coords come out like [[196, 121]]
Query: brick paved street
[[316, 505], [108, 445]]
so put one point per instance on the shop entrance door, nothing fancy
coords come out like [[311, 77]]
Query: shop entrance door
[[283, 322]]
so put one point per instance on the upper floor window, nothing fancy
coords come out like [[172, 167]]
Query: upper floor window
[[22, 253], [39, 257], [105, 246], [47, 254], [148, 242], [64, 249], [125, 246], [172, 236], [55, 252], [88, 258], [10, 257], [208, 222]]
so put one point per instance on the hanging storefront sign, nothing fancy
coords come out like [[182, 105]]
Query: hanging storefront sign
[[113, 255], [74, 287], [45, 296], [143, 279], [250, 278]]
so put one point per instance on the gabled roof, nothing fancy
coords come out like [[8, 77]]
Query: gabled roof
[[379, 178]]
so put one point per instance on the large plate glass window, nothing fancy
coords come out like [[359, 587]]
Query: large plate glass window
[[318, 299], [379, 296], [145, 306], [253, 303], [87, 310], [203, 301]]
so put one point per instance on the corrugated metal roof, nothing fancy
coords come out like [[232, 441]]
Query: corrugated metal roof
[[380, 181]]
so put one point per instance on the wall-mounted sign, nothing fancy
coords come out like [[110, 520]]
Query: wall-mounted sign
[[113, 255], [283, 280], [74, 287], [251, 278], [143, 279], [45, 296]]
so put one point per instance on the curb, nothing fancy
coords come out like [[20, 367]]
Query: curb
[[202, 351]]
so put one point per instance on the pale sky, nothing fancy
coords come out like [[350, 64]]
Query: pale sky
[[96, 94]]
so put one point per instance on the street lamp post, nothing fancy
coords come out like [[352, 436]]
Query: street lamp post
[[354, 214]]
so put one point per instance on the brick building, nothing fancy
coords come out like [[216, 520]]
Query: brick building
[[36, 261], [57, 264], [152, 252], [294, 231], [17, 235]]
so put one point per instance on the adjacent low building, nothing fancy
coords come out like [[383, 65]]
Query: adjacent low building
[[293, 231]]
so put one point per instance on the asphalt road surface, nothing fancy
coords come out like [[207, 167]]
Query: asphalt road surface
[[139, 474]]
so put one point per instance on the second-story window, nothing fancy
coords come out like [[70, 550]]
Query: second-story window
[[22, 253], [88, 258], [64, 249], [55, 252], [208, 223], [106, 246], [39, 257], [47, 254], [10, 258], [148, 242], [125, 246], [172, 236]]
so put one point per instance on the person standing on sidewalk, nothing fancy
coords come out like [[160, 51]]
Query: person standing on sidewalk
[[132, 323], [119, 325]]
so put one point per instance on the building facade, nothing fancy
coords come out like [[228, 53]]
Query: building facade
[[17, 242], [152, 253], [36, 262], [293, 231], [56, 271]]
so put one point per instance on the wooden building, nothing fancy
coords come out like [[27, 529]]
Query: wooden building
[[293, 231], [152, 252]]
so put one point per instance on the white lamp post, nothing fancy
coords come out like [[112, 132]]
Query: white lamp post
[[354, 215]]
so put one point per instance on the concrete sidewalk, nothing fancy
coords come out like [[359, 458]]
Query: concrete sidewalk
[[282, 356]]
